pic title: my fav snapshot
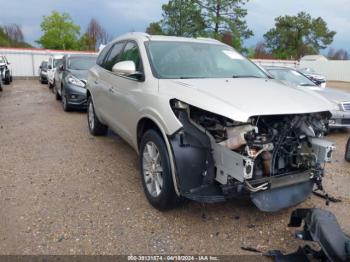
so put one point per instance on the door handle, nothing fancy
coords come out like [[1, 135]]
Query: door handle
[[96, 82], [111, 89]]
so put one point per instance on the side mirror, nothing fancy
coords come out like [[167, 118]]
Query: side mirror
[[40, 67], [124, 68], [127, 68], [8, 62], [49, 67], [61, 68]]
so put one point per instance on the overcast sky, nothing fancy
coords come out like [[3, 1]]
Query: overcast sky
[[121, 16]]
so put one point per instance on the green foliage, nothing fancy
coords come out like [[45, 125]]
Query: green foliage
[[222, 16], [154, 29], [182, 18], [59, 32], [296, 36]]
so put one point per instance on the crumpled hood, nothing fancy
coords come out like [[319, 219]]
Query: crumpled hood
[[241, 98]]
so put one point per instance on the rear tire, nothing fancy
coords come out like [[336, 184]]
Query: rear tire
[[157, 180], [96, 128]]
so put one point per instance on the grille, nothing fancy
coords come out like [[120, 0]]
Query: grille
[[346, 106], [345, 121]]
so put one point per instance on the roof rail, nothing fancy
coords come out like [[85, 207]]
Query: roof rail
[[208, 39]]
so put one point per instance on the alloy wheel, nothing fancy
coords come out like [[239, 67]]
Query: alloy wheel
[[152, 169]]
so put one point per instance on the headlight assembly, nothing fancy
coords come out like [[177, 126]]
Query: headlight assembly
[[75, 81]]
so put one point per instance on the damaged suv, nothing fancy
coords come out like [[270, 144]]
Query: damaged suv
[[208, 124]]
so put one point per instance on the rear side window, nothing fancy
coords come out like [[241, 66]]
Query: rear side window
[[113, 56], [131, 53]]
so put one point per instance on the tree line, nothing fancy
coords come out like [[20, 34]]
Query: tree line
[[292, 37]]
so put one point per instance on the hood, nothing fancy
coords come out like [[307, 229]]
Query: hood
[[334, 95], [241, 98], [80, 74]]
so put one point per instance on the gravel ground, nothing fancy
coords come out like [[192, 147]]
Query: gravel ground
[[63, 191]]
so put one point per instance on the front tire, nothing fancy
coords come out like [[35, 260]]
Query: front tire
[[96, 128], [65, 105], [155, 171]]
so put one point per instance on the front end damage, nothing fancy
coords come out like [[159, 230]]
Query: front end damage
[[276, 160]]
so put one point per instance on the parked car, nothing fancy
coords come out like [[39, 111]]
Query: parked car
[[54, 61], [208, 124], [318, 79], [43, 72], [347, 151], [5, 70], [340, 99], [70, 80]]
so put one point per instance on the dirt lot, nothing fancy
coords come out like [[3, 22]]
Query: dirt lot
[[63, 191]]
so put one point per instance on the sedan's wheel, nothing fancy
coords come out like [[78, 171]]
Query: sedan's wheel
[[96, 128], [156, 174]]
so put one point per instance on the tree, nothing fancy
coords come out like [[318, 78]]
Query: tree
[[222, 16], [180, 18], [154, 29], [339, 54], [260, 51], [95, 35], [14, 33], [59, 32], [12, 36], [296, 36]]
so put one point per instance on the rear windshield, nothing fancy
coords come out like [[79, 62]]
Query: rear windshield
[[81, 63]]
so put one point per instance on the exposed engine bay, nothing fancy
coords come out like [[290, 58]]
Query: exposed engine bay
[[257, 155]]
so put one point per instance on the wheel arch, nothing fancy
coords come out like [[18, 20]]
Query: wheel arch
[[147, 123]]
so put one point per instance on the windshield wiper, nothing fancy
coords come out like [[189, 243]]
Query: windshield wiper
[[305, 84]]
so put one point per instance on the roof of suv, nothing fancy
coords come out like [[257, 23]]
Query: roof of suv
[[147, 37]]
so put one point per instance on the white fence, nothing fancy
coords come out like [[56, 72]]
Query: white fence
[[25, 62]]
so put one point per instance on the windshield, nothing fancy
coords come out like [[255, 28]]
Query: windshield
[[81, 63], [198, 60], [291, 76], [44, 65], [56, 62], [2, 60]]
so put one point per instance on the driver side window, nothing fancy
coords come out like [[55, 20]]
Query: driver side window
[[131, 53]]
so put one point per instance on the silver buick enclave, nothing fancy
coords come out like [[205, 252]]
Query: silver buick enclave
[[208, 124]]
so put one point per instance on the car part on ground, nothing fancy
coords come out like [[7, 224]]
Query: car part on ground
[[340, 99], [70, 80], [320, 226], [229, 129], [5, 71], [347, 151]]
